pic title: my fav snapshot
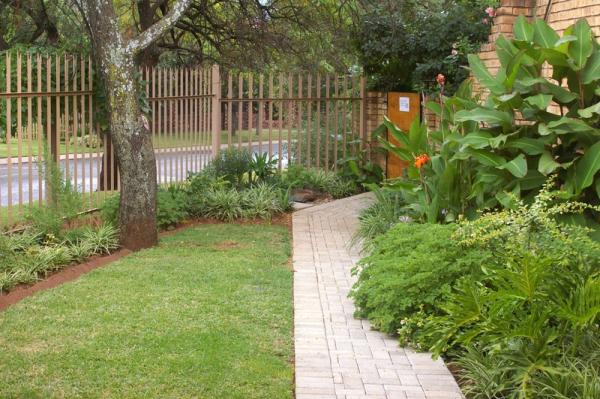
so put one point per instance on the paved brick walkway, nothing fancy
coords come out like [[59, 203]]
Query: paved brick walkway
[[337, 356]]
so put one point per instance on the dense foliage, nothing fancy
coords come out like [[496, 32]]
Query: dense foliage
[[518, 157], [534, 312], [513, 297], [404, 45], [411, 270], [481, 154], [237, 185]]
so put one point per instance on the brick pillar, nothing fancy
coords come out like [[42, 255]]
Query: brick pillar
[[376, 109], [505, 18]]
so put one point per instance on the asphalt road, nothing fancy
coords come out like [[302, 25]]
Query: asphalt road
[[173, 165]]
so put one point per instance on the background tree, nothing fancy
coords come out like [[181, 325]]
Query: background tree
[[403, 45]]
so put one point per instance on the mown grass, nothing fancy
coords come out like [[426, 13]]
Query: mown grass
[[207, 314]]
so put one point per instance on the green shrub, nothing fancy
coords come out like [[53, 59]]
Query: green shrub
[[109, 211], [232, 164], [198, 185], [412, 268], [172, 206], [321, 180], [535, 310], [518, 157], [359, 168]]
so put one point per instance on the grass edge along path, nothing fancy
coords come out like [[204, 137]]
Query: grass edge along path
[[207, 314]]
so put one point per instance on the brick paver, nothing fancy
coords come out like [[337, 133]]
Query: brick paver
[[338, 356]]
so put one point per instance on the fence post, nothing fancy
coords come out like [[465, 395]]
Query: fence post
[[364, 135], [216, 110]]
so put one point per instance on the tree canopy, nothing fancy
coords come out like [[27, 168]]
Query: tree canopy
[[403, 45]]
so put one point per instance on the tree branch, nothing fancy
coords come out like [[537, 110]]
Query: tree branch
[[146, 38]]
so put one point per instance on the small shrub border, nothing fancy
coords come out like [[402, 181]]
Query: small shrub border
[[27, 256]]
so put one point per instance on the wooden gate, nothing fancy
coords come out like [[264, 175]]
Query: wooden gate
[[403, 108]]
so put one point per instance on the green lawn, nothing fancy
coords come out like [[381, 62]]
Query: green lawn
[[207, 314]]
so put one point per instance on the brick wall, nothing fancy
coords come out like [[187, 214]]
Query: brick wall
[[376, 109], [566, 12], [563, 14]]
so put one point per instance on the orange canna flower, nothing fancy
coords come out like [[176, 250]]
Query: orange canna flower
[[440, 79], [421, 160]]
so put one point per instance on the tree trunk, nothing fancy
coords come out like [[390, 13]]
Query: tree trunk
[[147, 57], [129, 132]]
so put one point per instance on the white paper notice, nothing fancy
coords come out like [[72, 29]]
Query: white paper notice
[[404, 104]]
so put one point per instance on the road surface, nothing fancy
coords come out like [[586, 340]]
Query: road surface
[[173, 165]]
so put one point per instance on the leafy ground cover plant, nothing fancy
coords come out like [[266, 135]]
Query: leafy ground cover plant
[[410, 273], [24, 257], [325, 181], [534, 311]]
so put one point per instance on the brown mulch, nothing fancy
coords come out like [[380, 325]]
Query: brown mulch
[[73, 272]]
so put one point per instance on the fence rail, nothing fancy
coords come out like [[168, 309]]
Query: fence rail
[[49, 108]]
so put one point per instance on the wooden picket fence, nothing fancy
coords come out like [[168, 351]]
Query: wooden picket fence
[[51, 111]]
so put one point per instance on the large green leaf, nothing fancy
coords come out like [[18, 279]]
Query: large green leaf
[[543, 34], [505, 50], [560, 94], [591, 72], [400, 152], [587, 167], [581, 49], [512, 69], [417, 137], [533, 179], [562, 44], [566, 125], [395, 131], [493, 84], [475, 140], [487, 157], [528, 145], [590, 111], [539, 101], [517, 167], [489, 116], [547, 164], [523, 30]]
